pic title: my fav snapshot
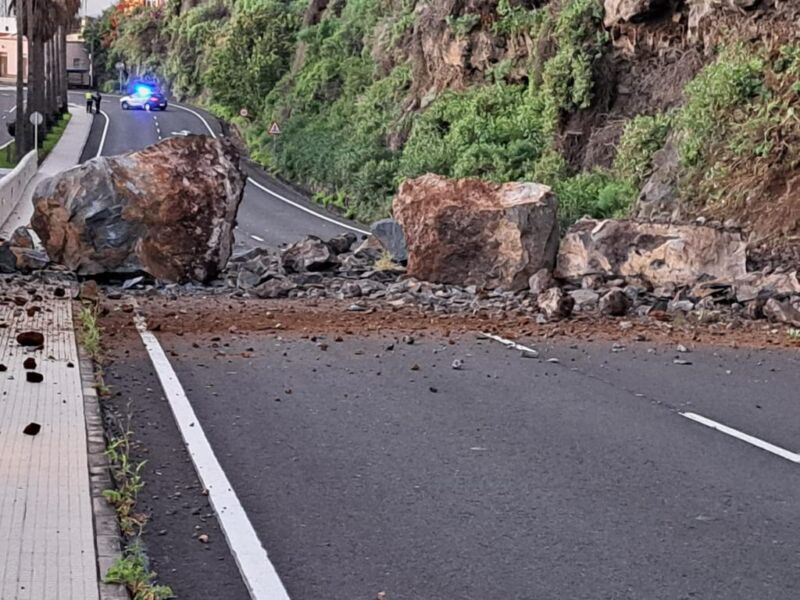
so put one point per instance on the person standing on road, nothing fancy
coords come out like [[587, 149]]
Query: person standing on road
[[89, 99], [97, 99]]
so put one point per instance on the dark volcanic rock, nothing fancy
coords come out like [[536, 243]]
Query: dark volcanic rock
[[31, 339], [310, 254], [169, 210], [389, 234]]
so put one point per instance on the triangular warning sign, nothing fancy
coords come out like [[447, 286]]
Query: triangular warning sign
[[274, 129]]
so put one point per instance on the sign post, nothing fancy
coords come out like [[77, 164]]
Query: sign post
[[120, 66], [36, 119]]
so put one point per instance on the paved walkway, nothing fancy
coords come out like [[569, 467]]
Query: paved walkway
[[65, 155], [47, 550]]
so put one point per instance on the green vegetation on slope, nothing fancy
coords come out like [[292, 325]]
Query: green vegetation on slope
[[360, 109]]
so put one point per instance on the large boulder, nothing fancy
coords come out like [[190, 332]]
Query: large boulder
[[169, 210], [658, 253], [471, 232]]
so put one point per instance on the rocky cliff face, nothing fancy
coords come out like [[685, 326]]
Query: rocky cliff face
[[688, 102]]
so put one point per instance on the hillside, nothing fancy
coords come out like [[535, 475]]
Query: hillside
[[694, 102]]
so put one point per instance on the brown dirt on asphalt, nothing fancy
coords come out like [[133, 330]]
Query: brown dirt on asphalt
[[218, 317]]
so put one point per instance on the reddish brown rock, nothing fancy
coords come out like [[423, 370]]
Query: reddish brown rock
[[169, 210], [471, 232]]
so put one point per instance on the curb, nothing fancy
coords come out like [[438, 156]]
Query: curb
[[108, 540]]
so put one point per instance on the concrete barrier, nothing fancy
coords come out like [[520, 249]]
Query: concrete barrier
[[13, 185]]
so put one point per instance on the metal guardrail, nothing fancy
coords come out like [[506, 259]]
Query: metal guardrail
[[13, 185]]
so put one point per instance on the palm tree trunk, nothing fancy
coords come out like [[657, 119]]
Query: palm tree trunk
[[20, 133]]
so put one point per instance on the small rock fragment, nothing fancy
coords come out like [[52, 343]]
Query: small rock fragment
[[203, 538], [34, 377], [31, 339], [681, 348], [457, 364], [679, 361], [32, 429], [30, 363]]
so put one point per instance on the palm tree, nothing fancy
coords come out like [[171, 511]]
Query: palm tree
[[21, 123], [44, 23]]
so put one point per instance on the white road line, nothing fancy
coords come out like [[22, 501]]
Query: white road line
[[269, 191], [510, 343], [257, 571], [306, 209], [256, 238], [105, 134], [739, 435], [199, 116]]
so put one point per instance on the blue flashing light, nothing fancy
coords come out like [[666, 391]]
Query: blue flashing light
[[142, 90]]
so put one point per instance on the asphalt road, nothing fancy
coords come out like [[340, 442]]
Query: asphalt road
[[374, 466], [8, 102], [368, 465], [264, 219]]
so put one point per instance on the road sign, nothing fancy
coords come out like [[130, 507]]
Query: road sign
[[244, 113], [274, 129], [36, 119]]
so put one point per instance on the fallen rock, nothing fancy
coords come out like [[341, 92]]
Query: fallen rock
[[658, 253], [168, 210], [782, 311], [555, 304], [21, 238], [471, 232], [614, 303], [32, 429], [89, 292], [585, 300], [34, 377], [342, 242], [540, 281], [31, 339], [310, 254], [757, 284], [29, 363], [274, 288], [389, 233]]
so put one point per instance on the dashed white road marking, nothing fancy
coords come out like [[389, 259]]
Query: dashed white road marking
[[510, 344], [739, 435], [256, 238], [269, 191], [258, 573]]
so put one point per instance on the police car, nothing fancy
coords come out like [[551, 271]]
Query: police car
[[144, 97]]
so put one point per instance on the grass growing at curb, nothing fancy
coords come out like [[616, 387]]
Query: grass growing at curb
[[90, 331], [132, 571], [127, 476]]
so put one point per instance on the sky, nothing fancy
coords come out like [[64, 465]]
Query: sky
[[95, 7]]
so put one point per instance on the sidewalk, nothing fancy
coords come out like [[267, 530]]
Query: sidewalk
[[65, 155], [48, 542], [57, 534]]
